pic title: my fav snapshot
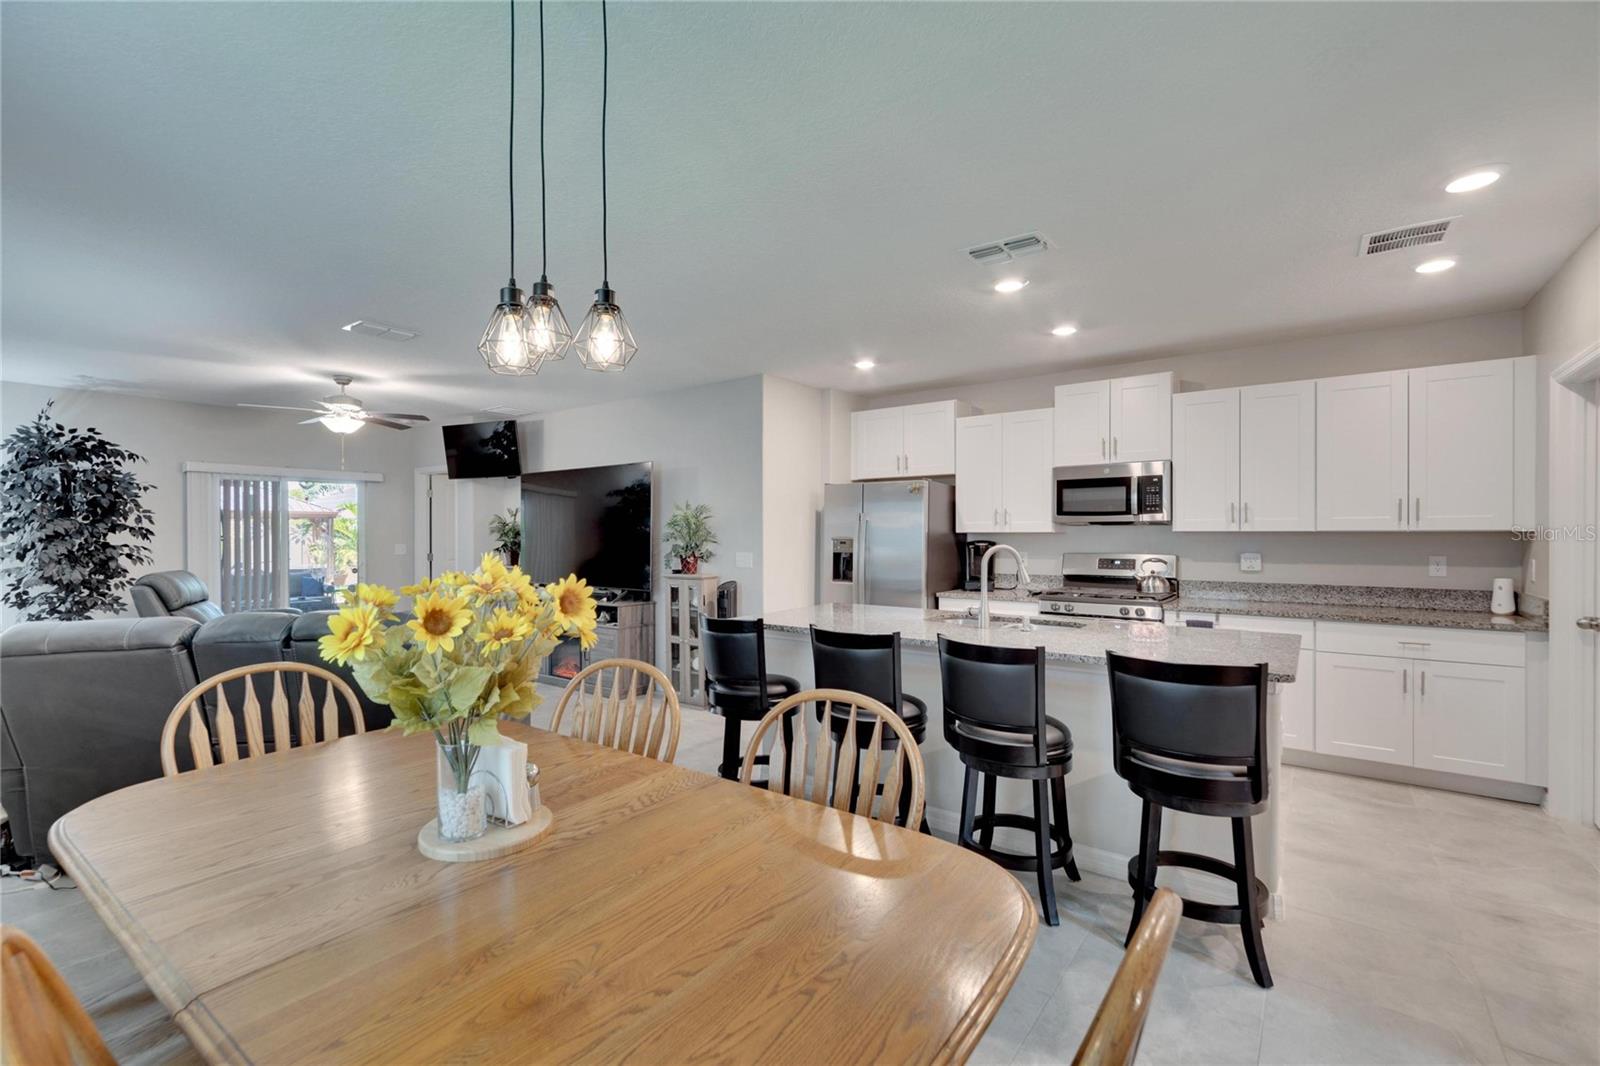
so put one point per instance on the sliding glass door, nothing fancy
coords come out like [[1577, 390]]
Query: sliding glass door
[[324, 542]]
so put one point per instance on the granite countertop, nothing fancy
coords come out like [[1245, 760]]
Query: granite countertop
[[1434, 608], [1085, 642]]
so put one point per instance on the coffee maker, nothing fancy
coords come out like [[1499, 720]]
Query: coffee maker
[[971, 553]]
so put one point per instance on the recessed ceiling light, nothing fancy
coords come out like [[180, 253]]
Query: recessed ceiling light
[[1435, 266], [1066, 329], [865, 364], [1475, 180], [1011, 285]]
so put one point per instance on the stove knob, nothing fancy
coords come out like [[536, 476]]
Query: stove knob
[[1068, 608], [1124, 610], [1139, 611]]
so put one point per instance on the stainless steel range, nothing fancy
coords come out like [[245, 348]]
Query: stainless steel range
[[1107, 586]]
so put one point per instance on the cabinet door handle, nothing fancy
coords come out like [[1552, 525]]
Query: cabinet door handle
[[1113, 447], [1233, 509], [1247, 512], [1422, 684], [1399, 510], [1103, 452], [1416, 514], [1008, 518], [997, 518], [1405, 681]]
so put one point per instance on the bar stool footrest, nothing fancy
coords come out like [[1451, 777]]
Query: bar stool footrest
[[1220, 913], [1060, 854]]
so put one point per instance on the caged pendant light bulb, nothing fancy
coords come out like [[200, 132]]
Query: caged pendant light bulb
[[505, 345], [604, 341]]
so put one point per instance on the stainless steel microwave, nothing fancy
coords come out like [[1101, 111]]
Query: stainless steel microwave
[[1113, 494]]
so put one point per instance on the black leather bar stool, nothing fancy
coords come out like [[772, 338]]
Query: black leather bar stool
[[868, 663], [733, 652], [994, 718], [1194, 738]]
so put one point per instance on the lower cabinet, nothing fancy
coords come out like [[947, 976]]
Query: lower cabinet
[[1364, 707], [1472, 719]]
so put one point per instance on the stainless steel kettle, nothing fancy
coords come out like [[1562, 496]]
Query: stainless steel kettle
[[1153, 578]]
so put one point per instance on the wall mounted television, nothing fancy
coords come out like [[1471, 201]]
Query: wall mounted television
[[596, 522], [482, 449]]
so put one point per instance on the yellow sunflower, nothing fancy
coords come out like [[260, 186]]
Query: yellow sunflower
[[350, 633], [381, 599], [453, 579], [422, 587], [439, 619], [502, 628], [573, 601], [491, 579]]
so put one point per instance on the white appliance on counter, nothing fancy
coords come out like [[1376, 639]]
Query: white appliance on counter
[[888, 543]]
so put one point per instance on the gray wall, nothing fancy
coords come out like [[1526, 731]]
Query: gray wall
[[1392, 559]]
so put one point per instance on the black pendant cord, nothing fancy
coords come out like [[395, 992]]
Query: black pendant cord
[[511, 129], [544, 218], [605, 92]]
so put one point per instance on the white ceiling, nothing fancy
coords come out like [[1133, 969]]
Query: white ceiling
[[196, 196]]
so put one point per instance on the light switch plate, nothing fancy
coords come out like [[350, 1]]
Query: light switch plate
[[399, 549], [1437, 567], [1250, 562], [744, 560]]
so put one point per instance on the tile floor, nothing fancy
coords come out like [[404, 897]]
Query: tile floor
[[1420, 926]]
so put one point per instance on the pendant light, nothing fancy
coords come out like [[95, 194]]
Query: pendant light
[[505, 344], [548, 333], [604, 341]]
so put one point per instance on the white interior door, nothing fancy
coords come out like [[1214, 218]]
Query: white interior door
[[1205, 460], [1141, 418], [1027, 447], [1361, 452], [1278, 457], [441, 548], [1083, 423], [1462, 446], [979, 456]]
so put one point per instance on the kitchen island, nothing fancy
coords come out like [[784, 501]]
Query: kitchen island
[[1103, 812]]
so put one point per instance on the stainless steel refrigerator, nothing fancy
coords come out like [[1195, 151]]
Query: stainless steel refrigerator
[[888, 543]]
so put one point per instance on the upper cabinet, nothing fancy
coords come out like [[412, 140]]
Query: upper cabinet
[[1121, 420], [918, 440], [1245, 458], [1439, 448], [1003, 471]]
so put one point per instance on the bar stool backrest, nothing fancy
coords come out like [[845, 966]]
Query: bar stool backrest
[[1193, 719], [868, 663], [734, 651], [993, 688]]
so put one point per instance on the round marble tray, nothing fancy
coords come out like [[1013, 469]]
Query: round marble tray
[[498, 841]]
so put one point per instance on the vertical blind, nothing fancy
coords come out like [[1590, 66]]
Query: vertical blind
[[250, 542]]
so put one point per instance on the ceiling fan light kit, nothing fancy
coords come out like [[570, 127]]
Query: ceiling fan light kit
[[343, 413]]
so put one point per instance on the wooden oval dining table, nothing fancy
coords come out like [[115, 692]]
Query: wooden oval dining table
[[280, 910]]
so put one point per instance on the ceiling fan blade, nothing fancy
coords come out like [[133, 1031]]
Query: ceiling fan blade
[[312, 421], [392, 414], [274, 407], [375, 421]]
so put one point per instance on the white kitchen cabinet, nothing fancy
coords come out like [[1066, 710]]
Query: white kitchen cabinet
[[1471, 719], [979, 454], [1278, 457], [1120, 420], [918, 440], [1361, 452], [1205, 460], [1462, 446], [1003, 465], [1141, 418], [1083, 423], [1363, 707]]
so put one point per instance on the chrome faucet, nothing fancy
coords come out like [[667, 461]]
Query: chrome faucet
[[983, 579]]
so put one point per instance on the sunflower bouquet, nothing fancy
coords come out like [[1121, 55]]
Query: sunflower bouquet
[[469, 653]]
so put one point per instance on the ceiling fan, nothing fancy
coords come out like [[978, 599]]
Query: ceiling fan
[[343, 413]]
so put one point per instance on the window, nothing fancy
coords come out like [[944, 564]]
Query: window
[[268, 538]]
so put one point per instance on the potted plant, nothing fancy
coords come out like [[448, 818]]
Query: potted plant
[[689, 536], [469, 654], [71, 520], [506, 529]]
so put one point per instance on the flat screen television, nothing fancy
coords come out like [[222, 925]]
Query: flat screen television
[[482, 449], [595, 522]]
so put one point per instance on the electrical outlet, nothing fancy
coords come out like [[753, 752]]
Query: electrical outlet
[[1437, 567], [1250, 562], [399, 549], [744, 560]]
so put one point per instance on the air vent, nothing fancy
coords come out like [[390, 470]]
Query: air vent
[[368, 327], [1413, 236], [1008, 249]]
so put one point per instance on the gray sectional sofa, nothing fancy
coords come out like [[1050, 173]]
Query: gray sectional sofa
[[82, 704]]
